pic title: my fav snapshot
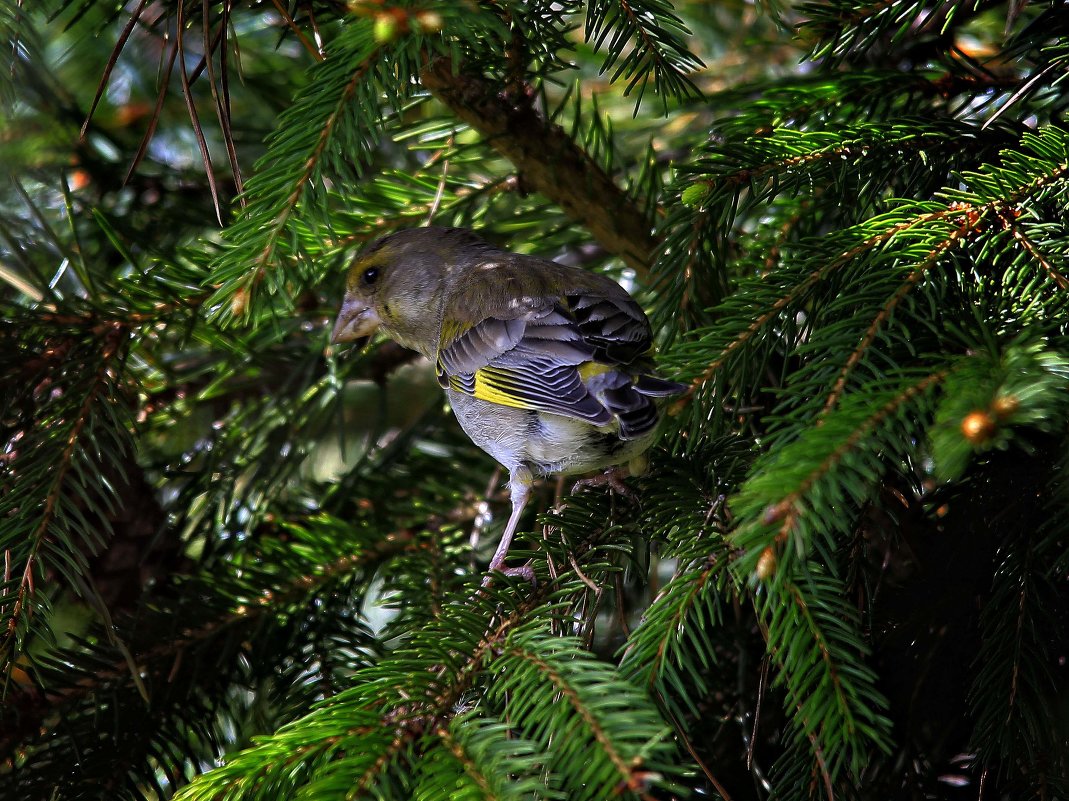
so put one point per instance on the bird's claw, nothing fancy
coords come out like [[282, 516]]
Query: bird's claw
[[526, 572], [613, 478]]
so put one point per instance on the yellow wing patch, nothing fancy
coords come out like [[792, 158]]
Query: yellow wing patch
[[488, 390], [588, 370], [451, 330]]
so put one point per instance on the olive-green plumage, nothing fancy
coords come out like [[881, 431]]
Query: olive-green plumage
[[547, 367]]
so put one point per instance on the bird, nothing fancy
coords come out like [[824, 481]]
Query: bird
[[548, 368]]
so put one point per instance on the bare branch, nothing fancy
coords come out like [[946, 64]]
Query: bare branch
[[549, 161]]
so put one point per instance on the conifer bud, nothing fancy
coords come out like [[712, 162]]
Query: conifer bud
[[428, 21], [766, 564], [388, 26], [239, 302], [978, 427], [1005, 406], [773, 513]]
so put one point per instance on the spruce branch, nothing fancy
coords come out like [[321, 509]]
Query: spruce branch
[[282, 182], [730, 178], [967, 227], [812, 634], [673, 651], [422, 686], [487, 755], [657, 38], [57, 491], [483, 782], [547, 160], [616, 741], [1022, 385], [795, 294], [395, 200], [1017, 230], [363, 717], [688, 275], [247, 604], [970, 219], [813, 485], [845, 28], [931, 228]]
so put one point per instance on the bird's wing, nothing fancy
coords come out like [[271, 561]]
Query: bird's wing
[[529, 347]]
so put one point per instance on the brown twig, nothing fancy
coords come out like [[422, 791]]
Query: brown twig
[[113, 341], [1034, 251], [788, 509], [548, 160], [681, 732], [154, 120], [112, 61], [313, 51], [221, 98], [194, 117]]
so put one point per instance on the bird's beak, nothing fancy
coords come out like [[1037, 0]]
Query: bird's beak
[[355, 320]]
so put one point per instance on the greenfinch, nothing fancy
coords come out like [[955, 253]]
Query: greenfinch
[[548, 368]]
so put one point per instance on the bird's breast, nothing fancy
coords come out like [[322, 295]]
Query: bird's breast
[[548, 443]]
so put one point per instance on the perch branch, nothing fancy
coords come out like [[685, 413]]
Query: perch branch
[[548, 160]]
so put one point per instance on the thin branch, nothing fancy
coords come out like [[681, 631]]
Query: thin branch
[[787, 509], [549, 161], [313, 51], [681, 733], [112, 61], [34, 717], [1035, 252], [112, 340], [221, 100], [154, 120], [194, 118], [967, 227]]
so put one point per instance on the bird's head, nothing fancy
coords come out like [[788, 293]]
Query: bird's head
[[397, 284]]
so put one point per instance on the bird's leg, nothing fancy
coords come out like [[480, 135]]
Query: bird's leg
[[520, 482], [506, 538], [483, 514]]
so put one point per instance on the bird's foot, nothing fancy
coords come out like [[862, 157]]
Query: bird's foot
[[612, 478], [526, 572]]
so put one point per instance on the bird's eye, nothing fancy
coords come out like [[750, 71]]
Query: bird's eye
[[370, 276]]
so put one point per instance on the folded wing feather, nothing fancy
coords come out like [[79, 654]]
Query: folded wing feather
[[532, 361]]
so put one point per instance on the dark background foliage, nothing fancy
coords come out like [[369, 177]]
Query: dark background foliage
[[845, 574]]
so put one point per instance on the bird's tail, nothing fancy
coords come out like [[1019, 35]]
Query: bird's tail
[[631, 400], [653, 387]]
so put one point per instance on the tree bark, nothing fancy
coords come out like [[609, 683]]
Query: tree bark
[[548, 161]]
